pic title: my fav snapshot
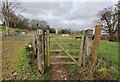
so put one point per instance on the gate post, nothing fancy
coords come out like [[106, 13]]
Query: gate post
[[88, 42], [80, 59], [96, 45], [84, 54], [40, 52], [47, 48]]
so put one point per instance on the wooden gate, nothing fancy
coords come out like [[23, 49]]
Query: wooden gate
[[80, 43], [82, 40]]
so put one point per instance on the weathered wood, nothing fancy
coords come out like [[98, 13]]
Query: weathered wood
[[88, 47], [68, 43], [62, 62], [84, 57], [46, 50], [63, 56], [34, 44], [65, 51], [40, 53], [48, 47], [81, 49], [96, 45]]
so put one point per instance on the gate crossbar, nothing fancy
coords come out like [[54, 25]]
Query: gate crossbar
[[65, 51]]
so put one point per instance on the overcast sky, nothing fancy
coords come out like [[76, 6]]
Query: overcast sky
[[74, 15]]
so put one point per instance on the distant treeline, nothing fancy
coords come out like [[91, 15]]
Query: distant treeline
[[19, 21]]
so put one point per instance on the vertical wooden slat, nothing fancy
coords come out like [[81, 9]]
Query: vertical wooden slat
[[34, 44], [81, 49], [46, 53], [48, 47], [96, 44], [84, 57], [43, 56], [88, 46]]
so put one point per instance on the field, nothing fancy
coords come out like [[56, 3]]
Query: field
[[109, 50], [16, 64]]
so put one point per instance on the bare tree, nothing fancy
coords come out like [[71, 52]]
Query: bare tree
[[8, 9], [109, 19], [38, 24], [118, 9]]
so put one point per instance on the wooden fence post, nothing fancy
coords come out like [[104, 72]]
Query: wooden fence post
[[88, 42], [81, 49], [84, 57], [84, 48], [47, 48], [40, 53], [96, 45]]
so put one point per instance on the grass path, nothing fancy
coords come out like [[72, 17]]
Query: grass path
[[11, 49]]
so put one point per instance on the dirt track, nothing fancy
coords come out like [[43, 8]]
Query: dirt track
[[59, 71]]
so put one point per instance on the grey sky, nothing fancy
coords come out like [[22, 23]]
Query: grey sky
[[74, 15]]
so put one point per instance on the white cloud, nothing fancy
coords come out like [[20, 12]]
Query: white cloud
[[74, 15], [69, 0]]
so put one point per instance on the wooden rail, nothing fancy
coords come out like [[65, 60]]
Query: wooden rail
[[63, 56], [66, 50], [69, 43], [62, 62]]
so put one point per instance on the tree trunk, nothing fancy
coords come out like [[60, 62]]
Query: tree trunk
[[111, 38], [7, 27]]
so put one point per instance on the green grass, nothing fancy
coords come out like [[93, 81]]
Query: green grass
[[109, 50], [29, 70], [3, 30]]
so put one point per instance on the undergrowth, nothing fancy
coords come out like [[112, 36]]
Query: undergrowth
[[28, 68]]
